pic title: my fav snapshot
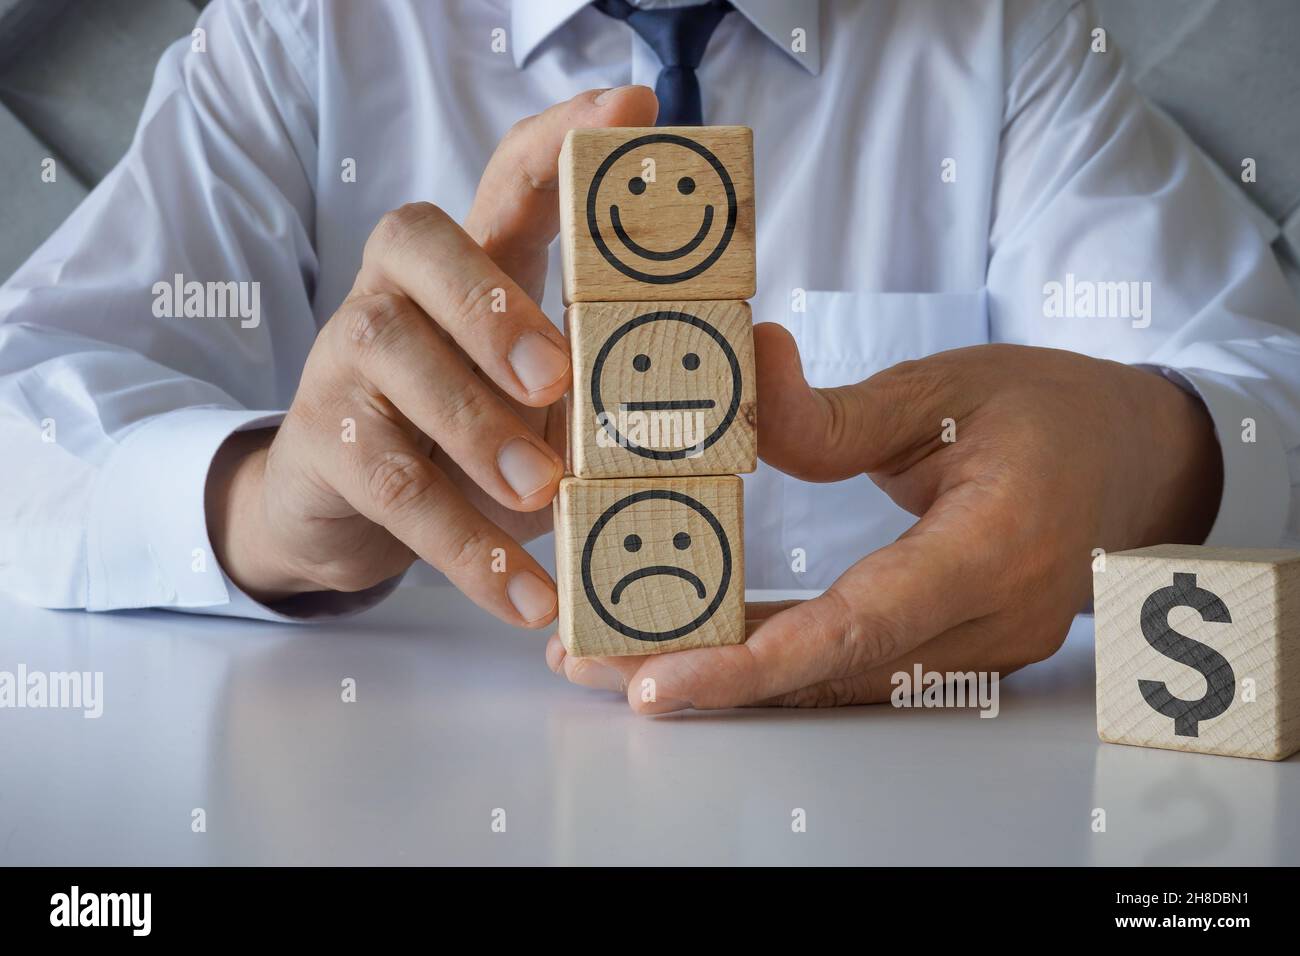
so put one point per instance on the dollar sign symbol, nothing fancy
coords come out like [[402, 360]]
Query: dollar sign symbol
[[1214, 667]]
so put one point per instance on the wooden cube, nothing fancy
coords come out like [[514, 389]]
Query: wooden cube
[[649, 566], [661, 388], [1199, 649], [650, 213]]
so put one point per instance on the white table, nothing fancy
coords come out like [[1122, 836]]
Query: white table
[[457, 716]]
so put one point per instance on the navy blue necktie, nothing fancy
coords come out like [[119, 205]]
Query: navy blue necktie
[[678, 35]]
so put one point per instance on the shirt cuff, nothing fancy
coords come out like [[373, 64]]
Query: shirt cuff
[[301, 608], [147, 539], [1256, 479]]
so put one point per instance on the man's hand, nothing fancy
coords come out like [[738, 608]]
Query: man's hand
[[424, 408], [1055, 454]]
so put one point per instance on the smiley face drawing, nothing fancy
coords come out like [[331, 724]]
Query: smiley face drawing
[[664, 353], [653, 537], [624, 209]]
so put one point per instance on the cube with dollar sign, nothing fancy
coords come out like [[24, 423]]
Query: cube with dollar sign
[[1199, 649]]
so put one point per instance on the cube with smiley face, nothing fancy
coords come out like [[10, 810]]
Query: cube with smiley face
[[646, 566], [661, 388], [663, 212]]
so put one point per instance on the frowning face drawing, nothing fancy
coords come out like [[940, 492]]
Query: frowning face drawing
[[656, 556], [670, 225]]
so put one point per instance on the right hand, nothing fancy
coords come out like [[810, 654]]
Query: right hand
[[451, 401]]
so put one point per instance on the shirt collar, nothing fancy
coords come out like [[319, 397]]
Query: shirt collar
[[532, 21]]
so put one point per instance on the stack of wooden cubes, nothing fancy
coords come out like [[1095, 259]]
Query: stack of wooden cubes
[[657, 236]]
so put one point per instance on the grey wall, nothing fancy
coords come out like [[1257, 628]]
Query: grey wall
[[73, 78], [74, 75]]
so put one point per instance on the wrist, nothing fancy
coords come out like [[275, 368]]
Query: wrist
[[1180, 462], [237, 526]]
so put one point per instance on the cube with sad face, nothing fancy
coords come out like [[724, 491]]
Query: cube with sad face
[[646, 566], [661, 388]]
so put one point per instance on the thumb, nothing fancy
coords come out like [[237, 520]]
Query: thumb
[[516, 212], [883, 424]]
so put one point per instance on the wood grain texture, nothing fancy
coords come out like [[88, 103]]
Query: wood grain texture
[[1260, 591], [655, 213], [661, 389], [646, 566]]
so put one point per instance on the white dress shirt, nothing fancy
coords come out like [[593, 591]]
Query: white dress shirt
[[925, 169]]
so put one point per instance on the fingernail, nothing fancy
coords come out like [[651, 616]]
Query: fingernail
[[600, 676], [526, 469], [555, 655], [610, 94], [663, 706], [537, 361], [532, 597]]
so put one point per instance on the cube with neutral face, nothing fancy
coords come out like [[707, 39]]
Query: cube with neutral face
[[661, 388], [1199, 649], [657, 213], [646, 566]]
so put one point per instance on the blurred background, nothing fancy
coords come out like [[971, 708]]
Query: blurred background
[[74, 75]]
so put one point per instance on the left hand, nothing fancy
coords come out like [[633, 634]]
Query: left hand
[[1055, 454]]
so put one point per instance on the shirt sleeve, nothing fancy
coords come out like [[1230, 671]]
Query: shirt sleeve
[[117, 382], [1112, 235]]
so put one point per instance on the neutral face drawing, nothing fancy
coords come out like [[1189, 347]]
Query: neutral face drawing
[[670, 370]]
